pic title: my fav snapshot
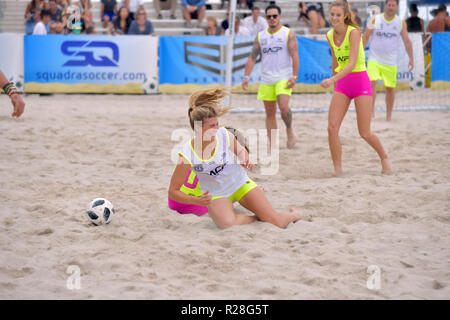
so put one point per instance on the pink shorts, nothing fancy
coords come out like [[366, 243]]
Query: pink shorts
[[187, 208], [354, 85]]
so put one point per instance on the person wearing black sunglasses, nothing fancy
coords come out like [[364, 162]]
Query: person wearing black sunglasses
[[278, 48]]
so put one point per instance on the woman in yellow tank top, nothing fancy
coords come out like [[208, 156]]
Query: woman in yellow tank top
[[351, 82]]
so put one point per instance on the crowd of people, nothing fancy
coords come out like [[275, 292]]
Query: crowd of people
[[75, 17]]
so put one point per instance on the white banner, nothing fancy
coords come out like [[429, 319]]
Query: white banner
[[403, 73], [11, 58]]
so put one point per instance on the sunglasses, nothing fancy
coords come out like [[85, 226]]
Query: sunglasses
[[273, 16]]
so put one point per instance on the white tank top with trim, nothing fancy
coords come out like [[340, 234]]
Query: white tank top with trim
[[221, 175], [383, 47], [276, 62]]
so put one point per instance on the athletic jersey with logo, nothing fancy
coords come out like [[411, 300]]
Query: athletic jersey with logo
[[342, 52], [385, 39], [221, 174], [276, 62]]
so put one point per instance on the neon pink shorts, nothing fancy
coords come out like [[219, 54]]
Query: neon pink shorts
[[354, 85], [187, 208]]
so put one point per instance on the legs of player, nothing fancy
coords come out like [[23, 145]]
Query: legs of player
[[363, 116], [338, 108]]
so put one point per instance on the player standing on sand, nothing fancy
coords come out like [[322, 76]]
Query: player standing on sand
[[351, 82], [386, 30], [278, 48]]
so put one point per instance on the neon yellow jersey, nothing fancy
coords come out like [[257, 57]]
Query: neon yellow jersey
[[342, 52]]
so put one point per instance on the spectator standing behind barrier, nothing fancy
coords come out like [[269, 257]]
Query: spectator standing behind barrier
[[10, 89], [211, 29], [165, 5], [41, 27], [414, 23], [141, 25], [255, 23], [108, 11], [239, 30], [441, 21], [193, 9], [133, 6], [121, 23]]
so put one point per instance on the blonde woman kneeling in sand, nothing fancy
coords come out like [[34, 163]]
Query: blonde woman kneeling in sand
[[214, 154]]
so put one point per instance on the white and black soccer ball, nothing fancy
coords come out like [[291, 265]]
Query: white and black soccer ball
[[418, 82], [100, 211], [149, 85]]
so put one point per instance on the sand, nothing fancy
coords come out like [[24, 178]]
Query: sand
[[69, 149]]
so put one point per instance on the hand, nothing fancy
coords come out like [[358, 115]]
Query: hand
[[327, 83], [205, 199], [244, 84], [291, 82], [191, 8], [18, 105], [248, 165], [411, 65]]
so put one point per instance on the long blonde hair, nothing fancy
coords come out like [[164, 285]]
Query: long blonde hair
[[206, 104], [344, 5]]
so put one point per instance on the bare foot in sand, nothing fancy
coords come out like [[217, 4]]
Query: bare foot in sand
[[297, 215], [337, 171], [291, 141], [386, 166]]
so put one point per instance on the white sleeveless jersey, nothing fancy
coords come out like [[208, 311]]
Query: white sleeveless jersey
[[276, 62], [385, 40], [221, 174]]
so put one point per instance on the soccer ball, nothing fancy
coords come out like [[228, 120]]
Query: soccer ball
[[100, 211], [149, 85], [417, 82]]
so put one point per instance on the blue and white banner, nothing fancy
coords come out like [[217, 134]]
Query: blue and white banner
[[61, 63], [440, 66], [201, 60]]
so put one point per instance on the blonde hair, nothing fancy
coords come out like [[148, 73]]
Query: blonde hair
[[344, 5], [206, 104]]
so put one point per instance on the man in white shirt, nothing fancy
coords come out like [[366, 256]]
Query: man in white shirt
[[239, 30], [41, 27], [255, 23]]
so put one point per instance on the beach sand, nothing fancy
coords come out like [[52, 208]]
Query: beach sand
[[69, 149]]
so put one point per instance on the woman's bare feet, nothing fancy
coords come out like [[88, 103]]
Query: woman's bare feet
[[291, 141], [337, 171], [296, 214], [386, 166]]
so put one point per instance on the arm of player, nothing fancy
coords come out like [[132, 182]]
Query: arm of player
[[293, 52], [256, 50], [178, 178], [408, 45], [241, 153], [16, 99], [368, 33]]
